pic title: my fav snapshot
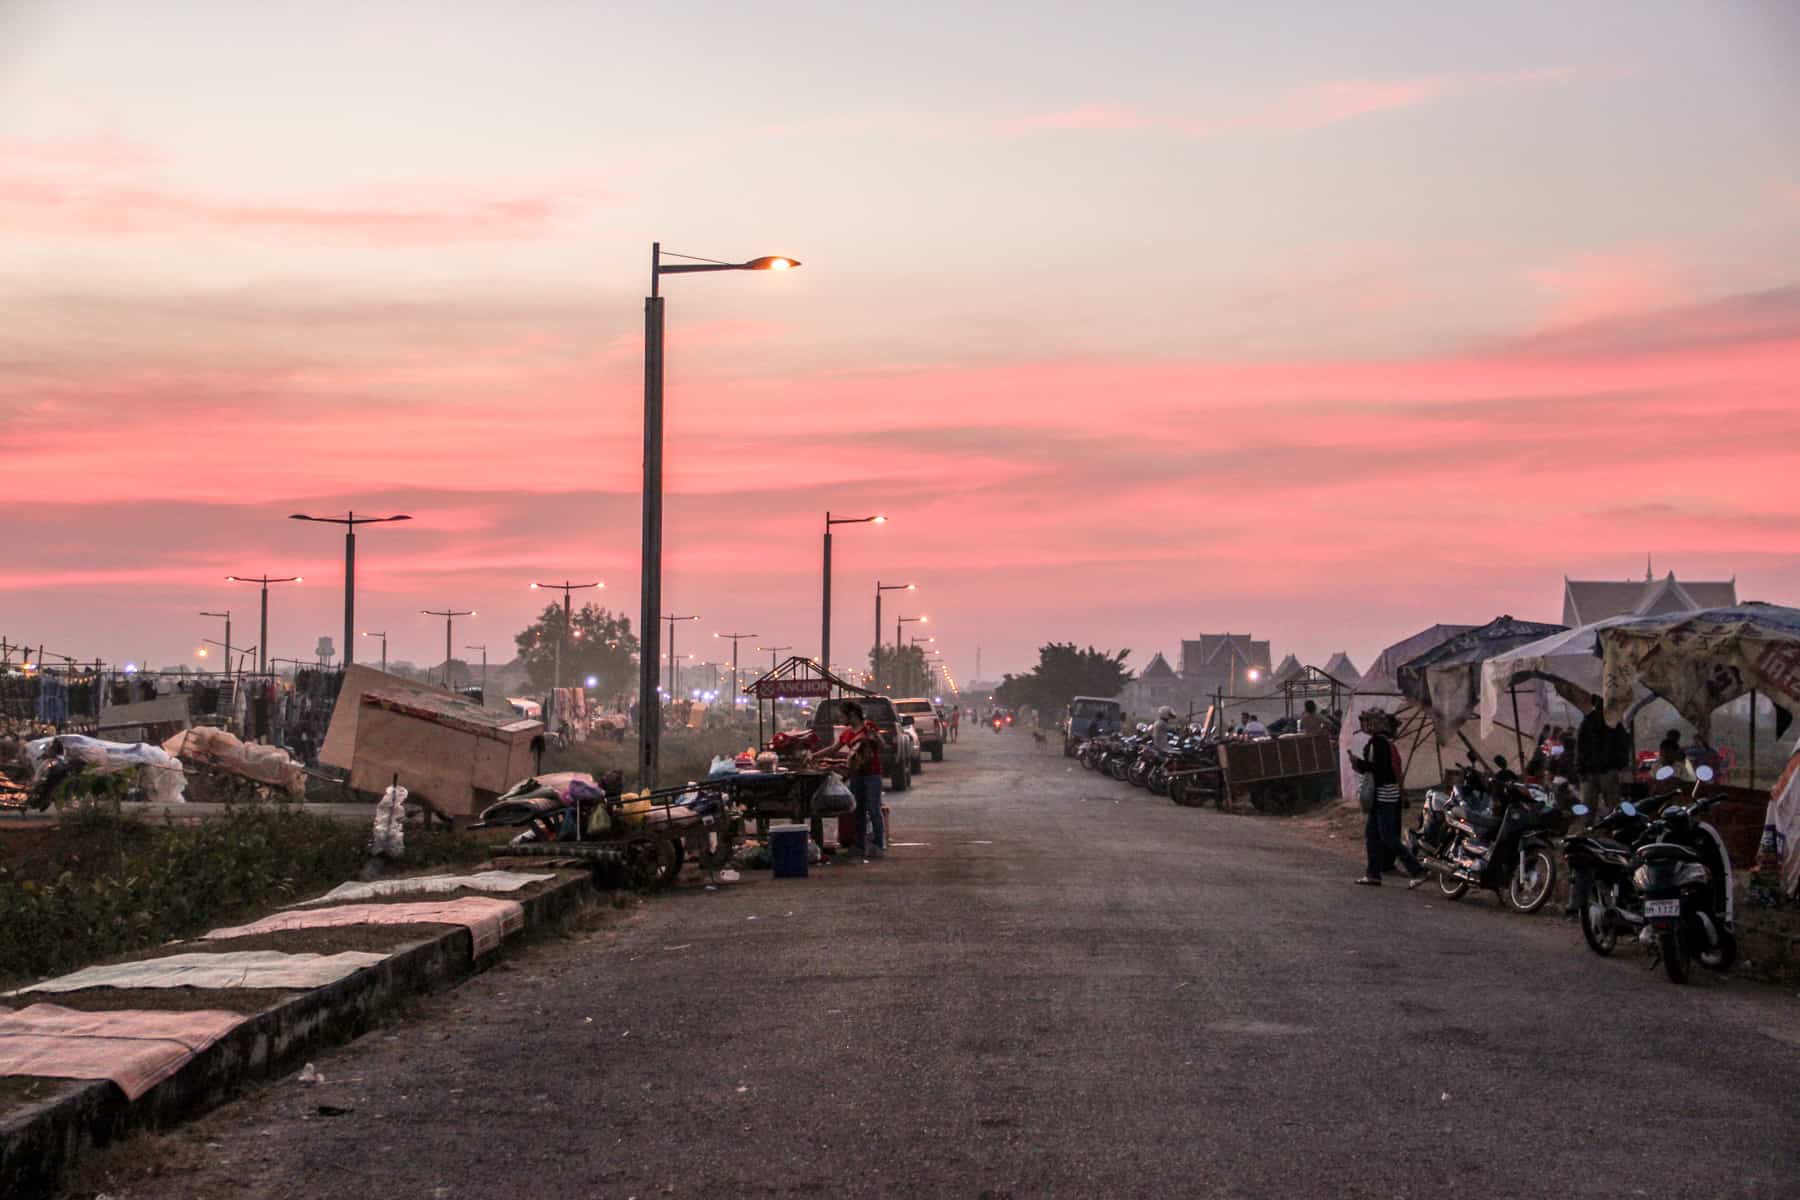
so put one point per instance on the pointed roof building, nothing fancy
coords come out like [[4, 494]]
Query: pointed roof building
[[1587, 601]]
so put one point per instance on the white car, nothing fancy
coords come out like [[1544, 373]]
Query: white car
[[928, 725]]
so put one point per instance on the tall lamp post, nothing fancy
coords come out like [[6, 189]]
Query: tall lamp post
[[568, 618], [483, 649], [226, 615], [671, 621], [650, 598], [349, 521], [900, 624], [880, 587], [449, 615], [383, 637], [735, 638], [920, 641], [262, 654], [825, 604]]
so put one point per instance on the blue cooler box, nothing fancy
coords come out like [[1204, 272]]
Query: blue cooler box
[[787, 849]]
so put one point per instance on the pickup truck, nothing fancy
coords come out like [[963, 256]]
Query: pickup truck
[[928, 722], [898, 756]]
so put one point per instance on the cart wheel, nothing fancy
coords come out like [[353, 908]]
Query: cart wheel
[[653, 862]]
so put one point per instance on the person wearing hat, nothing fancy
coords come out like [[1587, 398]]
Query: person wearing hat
[[1380, 762], [1163, 736]]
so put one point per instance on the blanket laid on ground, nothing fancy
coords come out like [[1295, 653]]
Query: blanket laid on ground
[[236, 969], [136, 1050], [480, 881], [488, 921]]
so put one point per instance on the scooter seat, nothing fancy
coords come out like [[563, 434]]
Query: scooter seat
[[1667, 852]]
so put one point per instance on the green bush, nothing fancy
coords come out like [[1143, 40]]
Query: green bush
[[119, 885]]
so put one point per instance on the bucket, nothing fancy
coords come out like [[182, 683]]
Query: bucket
[[787, 850]]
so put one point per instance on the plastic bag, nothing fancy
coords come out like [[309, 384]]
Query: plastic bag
[[722, 766], [389, 837], [833, 798]]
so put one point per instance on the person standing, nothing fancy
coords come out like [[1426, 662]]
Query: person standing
[[1380, 762], [1310, 721], [955, 720], [862, 739], [1593, 759]]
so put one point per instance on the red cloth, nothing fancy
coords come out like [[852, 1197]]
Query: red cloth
[[848, 739], [135, 1049]]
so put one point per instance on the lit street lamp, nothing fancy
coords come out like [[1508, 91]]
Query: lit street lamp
[[383, 637], [773, 651], [226, 643], [262, 660], [671, 621], [568, 618], [735, 638], [825, 605], [650, 598], [349, 521], [880, 587], [449, 615]]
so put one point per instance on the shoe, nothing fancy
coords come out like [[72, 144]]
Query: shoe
[[1369, 881], [1418, 879]]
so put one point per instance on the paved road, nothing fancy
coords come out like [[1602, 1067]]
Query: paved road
[[1071, 988]]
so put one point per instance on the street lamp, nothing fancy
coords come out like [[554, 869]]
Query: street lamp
[[650, 591], [383, 637], [880, 587], [825, 604], [735, 638], [920, 641], [349, 521], [568, 618], [671, 620], [226, 615], [899, 635], [449, 615], [262, 658]]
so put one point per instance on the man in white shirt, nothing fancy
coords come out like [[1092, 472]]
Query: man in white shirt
[[1255, 728]]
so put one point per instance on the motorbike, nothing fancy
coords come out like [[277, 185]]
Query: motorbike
[[1121, 754], [1599, 862], [1683, 873], [1195, 777], [1493, 834]]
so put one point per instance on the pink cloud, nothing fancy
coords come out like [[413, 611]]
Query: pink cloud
[[100, 151], [1084, 117], [1598, 285]]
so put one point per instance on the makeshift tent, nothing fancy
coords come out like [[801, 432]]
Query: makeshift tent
[[1568, 661], [1701, 661], [1428, 682], [1377, 689], [1444, 679]]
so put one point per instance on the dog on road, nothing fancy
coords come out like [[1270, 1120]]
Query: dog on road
[[1037, 735]]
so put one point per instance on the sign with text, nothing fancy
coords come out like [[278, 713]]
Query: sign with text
[[791, 689]]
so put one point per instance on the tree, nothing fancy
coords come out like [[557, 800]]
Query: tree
[[1062, 673], [899, 676], [601, 644]]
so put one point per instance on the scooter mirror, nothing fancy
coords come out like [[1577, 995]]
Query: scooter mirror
[[1581, 810], [1704, 774], [1665, 772], [1628, 808]]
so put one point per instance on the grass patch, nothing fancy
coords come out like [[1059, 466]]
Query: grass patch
[[685, 755], [107, 883]]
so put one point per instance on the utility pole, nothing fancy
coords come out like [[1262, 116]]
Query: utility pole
[[483, 649], [568, 629], [449, 615], [262, 644], [349, 521], [735, 639]]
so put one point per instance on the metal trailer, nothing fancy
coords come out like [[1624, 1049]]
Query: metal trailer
[[1275, 775]]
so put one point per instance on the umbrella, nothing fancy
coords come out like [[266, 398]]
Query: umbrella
[[1699, 661]]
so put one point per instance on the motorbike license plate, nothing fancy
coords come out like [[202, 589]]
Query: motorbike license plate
[[1662, 908]]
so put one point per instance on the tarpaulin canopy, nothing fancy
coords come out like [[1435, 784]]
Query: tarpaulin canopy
[[1700, 661], [1444, 679], [1568, 661]]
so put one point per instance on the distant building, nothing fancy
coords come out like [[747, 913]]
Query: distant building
[[1586, 601], [1340, 668], [1156, 685], [1235, 664]]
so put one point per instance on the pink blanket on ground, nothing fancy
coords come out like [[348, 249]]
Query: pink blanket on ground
[[488, 920], [136, 1050]]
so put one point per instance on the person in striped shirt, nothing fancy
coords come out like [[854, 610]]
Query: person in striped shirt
[[1381, 831]]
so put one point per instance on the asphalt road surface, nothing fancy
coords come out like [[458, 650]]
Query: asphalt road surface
[[1055, 986]]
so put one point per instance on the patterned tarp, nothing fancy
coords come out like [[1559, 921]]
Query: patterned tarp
[[488, 920], [480, 881], [135, 1049], [235, 969], [1702, 660]]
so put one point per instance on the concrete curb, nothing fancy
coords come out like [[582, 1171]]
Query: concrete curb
[[39, 1144]]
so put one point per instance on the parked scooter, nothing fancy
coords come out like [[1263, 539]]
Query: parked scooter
[[1498, 835], [1600, 887], [1683, 873]]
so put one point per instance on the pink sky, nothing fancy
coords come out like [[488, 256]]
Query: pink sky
[[1329, 354]]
